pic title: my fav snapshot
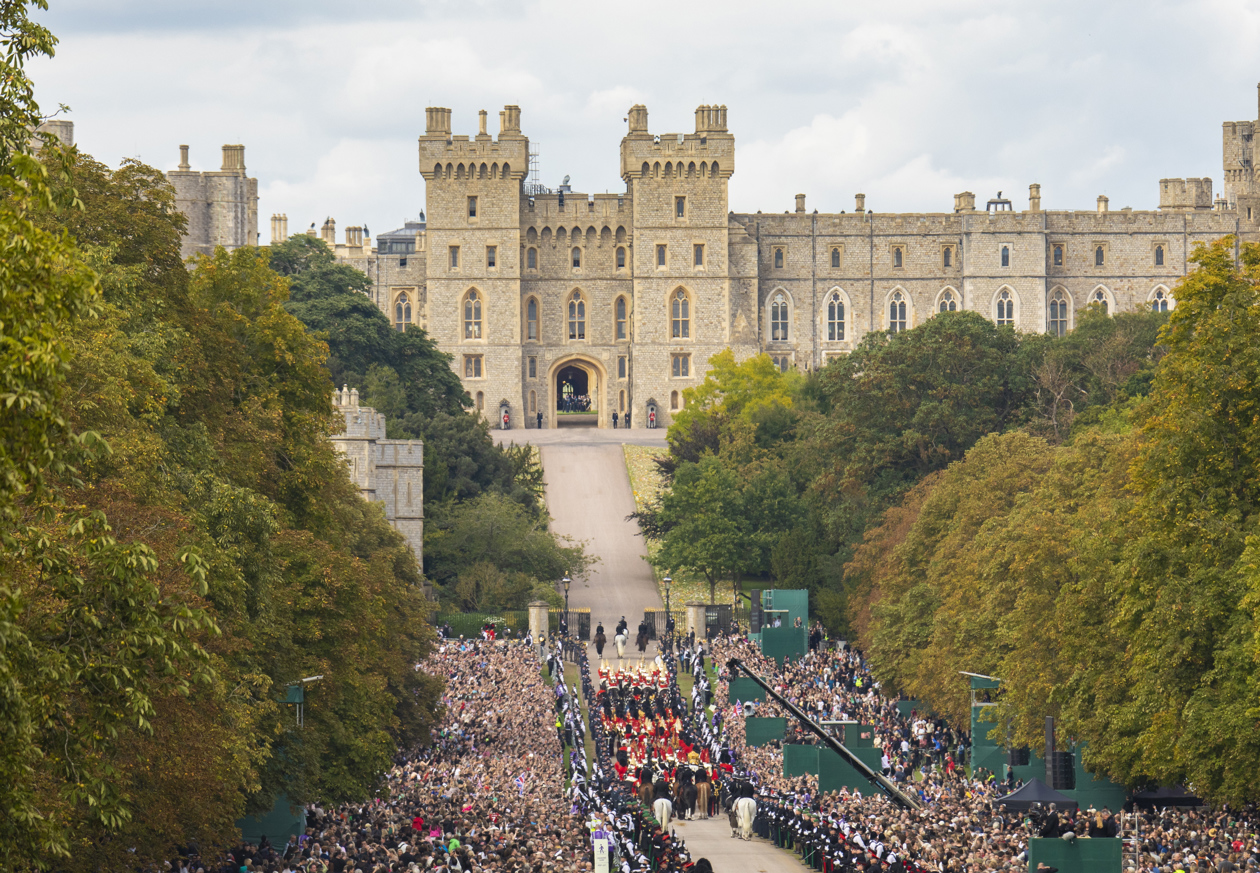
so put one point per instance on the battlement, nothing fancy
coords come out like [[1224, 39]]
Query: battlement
[[576, 206], [1181, 195], [362, 422], [709, 153], [444, 155]]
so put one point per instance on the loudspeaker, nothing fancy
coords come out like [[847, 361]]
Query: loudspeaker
[[1018, 757], [1061, 771]]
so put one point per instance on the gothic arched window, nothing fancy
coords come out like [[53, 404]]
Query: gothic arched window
[[897, 312], [779, 318], [531, 320], [835, 317], [948, 303], [472, 315], [680, 315], [1058, 313], [577, 316], [1159, 256], [619, 317], [531, 259], [1099, 298], [402, 312], [1005, 309], [1159, 300]]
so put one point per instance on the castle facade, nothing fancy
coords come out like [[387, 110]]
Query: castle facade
[[625, 297]]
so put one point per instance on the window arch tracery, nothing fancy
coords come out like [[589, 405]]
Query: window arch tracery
[[1059, 312], [680, 315], [779, 317], [402, 312], [835, 317], [577, 316], [1005, 308], [897, 312], [472, 315]]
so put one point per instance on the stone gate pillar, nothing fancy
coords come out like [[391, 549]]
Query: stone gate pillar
[[538, 615], [695, 619]]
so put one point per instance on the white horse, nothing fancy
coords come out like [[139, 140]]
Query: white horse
[[745, 812], [663, 810], [620, 640]]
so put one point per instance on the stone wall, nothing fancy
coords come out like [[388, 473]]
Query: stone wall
[[389, 472], [221, 207]]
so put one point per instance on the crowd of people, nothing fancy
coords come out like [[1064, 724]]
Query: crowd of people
[[959, 826], [487, 795], [505, 784], [575, 403]]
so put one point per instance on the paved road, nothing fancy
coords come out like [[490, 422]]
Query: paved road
[[589, 497], [712, 839], [582, 436]]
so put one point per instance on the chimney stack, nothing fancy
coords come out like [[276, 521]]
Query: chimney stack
[[512, 120], [437, 121], [234, 158], [1102, 203], [279, 228], [1034, 198], [800, 202], [183, 159], [481, 124], [859, 203]]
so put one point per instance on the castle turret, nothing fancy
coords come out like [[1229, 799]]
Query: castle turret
[[221, 207], [473, 208]]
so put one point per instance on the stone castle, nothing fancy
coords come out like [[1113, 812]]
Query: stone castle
[[389, 472], [625, 297], [221, 207]]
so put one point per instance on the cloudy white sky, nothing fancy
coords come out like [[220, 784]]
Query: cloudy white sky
[[908, 102]]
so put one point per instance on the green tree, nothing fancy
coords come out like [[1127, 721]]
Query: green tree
[[699, 523], [332, 299], [753, 391], [493, 531], [1188, 711], [22, 39], [906, 404]]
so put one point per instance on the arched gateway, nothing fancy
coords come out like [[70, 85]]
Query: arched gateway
[[574, 380]]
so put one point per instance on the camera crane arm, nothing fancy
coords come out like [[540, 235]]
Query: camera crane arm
[[877, 779]]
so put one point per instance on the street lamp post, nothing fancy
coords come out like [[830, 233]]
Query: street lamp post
[[566, 581], [667, 581]]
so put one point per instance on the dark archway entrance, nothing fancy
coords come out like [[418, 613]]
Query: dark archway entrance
[[576, 401]]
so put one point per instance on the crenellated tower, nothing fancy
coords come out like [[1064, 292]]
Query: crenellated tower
[[1241, 188], [473, 201], [683, 297]]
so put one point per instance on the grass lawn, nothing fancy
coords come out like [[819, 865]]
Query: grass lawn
[[647, 483]]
